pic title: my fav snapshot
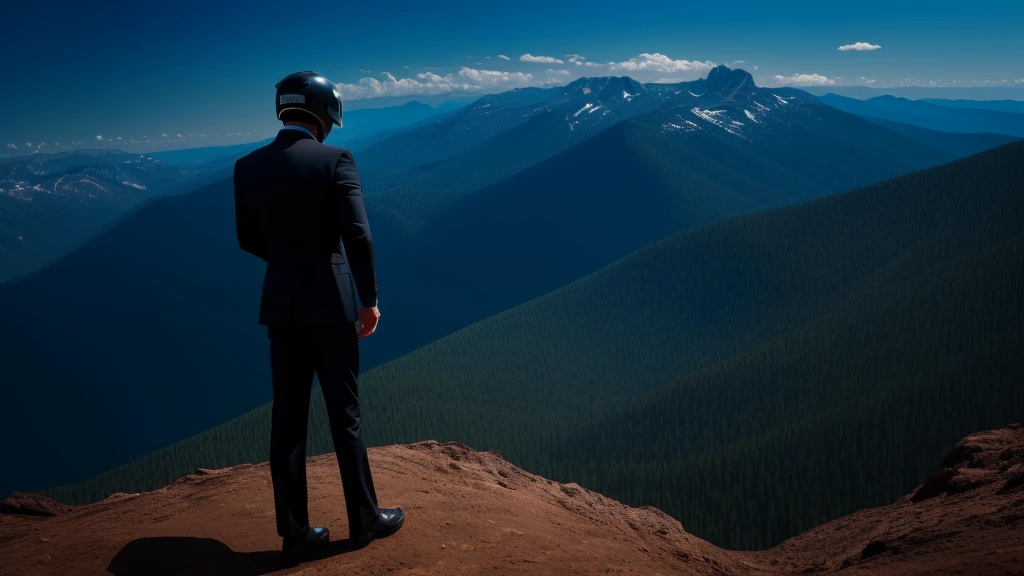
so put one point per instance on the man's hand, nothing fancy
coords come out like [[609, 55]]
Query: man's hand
[[368, 317]]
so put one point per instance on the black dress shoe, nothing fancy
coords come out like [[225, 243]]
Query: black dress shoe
[[298, 547], [388, 521]]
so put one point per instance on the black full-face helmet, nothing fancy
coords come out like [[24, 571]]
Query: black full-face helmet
[[312, 93]]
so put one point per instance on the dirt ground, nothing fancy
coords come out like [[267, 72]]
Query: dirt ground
[[471, 512]]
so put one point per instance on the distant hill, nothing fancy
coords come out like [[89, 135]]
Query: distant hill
[[1014, 106], [359, 125], [195, 157], [50, 202], [172, 301], [364, 123], [749, 373], [958, 144], [931, 116]]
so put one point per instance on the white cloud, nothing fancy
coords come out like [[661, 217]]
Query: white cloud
[[859, 46], [164, 135], [539, 59], [406, 67], [659, 63], [804, 80], [645, 67], [28, 144], [177, 135], [820, 80], [12, 146], [99, 138], [428, 83]]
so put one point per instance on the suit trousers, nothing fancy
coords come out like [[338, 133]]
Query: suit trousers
[[332, 353]]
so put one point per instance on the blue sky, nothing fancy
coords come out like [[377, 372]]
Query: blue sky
[[75, 71]]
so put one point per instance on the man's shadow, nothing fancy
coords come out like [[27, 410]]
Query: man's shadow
[[174, 556]]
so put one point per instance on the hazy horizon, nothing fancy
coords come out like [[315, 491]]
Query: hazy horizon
[[208, 69], [268, 127]]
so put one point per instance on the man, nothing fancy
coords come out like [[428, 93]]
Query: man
[[299, 207]]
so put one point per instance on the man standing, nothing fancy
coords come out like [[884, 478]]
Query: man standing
[[299, 207]]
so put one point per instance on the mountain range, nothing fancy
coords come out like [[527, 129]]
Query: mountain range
[[942, 116], [502, 135], [359, 125], [1015, 106], [555, 185], [51, 202], [747, 377]]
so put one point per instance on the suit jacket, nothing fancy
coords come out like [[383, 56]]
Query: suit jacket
[[299, 207]]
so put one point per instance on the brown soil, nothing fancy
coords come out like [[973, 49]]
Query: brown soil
[[471, 512]]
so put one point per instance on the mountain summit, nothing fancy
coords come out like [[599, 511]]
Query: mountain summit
[[726, 82], [606, 87], [473, 512]]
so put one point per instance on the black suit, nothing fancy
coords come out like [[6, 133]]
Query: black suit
[[299, 207]]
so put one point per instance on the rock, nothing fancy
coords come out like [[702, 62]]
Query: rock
[[32, 504]]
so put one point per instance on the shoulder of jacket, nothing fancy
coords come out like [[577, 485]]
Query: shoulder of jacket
[[337, 151], [246, 157]]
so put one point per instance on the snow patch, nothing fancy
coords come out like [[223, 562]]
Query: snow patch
[[588, 105], [689, 127], [709, 115], [761, 107], [712, 116], [626, 95], [594, 109], [749, 115], [780, 99]]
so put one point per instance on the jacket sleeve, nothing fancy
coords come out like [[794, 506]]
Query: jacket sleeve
[[347, 206], [247, 224]]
